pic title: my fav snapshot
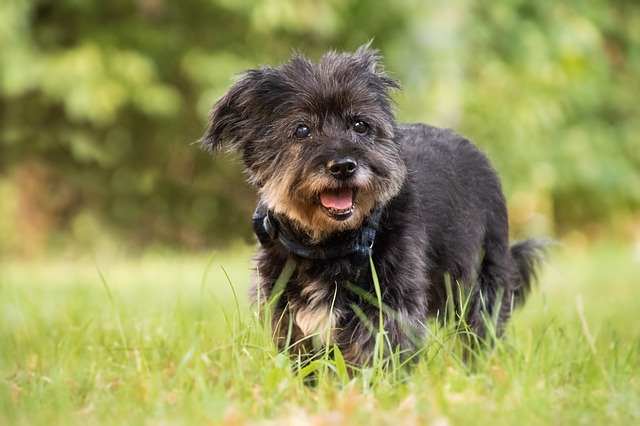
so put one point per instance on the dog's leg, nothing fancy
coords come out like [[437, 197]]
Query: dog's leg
[[490, 305], [506, 276], [359, 338], [491, 298]]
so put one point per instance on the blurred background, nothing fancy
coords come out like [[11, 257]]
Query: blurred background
[[101, 103]]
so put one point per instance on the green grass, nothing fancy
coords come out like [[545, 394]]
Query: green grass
[[163, 340]]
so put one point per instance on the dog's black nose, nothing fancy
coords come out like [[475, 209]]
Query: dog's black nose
[[342, 168]]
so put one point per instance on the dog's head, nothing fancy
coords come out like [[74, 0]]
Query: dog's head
[[317, 140]]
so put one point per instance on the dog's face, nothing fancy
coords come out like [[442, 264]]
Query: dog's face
[[316, 139]]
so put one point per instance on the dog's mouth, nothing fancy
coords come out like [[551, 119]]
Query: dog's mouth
[[338, 203]]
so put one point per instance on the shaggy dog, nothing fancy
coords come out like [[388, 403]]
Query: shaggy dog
[[340, 183]]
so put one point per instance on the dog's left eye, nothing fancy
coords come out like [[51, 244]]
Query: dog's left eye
[[360, 127], [302, 131]]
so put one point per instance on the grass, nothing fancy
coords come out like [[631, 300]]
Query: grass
[[171, 339]]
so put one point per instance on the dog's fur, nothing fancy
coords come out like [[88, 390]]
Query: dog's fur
[[443, 211]]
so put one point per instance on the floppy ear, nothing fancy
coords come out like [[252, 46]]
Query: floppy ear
[[229, 115], [371, 60]]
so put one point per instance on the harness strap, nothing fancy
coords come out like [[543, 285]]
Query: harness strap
[[356, 243]]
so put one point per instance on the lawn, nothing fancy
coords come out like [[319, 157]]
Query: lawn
[[161, 339]]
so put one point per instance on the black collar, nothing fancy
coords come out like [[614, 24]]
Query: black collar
[[357, 243]]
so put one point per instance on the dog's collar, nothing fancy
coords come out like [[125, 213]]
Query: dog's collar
[[357, 243]]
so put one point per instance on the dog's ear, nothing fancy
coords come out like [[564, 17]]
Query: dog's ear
[[371, 60], [229, 115]]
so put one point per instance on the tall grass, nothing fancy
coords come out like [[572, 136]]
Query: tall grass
[[173, 340]]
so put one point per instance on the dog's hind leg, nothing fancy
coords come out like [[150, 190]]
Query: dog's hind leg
[[490, 302], [504, 280]]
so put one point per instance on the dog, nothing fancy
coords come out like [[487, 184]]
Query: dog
[[352, 202]]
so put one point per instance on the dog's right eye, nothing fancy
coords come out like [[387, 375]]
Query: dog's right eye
[[302, 131]]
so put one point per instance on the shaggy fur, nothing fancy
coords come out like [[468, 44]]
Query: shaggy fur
[[443, 211]]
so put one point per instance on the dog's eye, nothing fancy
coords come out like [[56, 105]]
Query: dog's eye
[[302, 131], [360, 127]]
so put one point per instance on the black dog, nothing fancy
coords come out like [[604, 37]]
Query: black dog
[[339, 180]]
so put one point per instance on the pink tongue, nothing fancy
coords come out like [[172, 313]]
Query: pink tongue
[[339, 200]]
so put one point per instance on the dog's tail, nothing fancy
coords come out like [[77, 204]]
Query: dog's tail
[[528, 255]]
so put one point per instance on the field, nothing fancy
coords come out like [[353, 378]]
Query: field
[[161, 339]]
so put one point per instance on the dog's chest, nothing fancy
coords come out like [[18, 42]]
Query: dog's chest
[[315, 313]]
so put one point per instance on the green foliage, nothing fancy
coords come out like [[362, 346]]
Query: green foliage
[[164, 339], [109, 96]]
